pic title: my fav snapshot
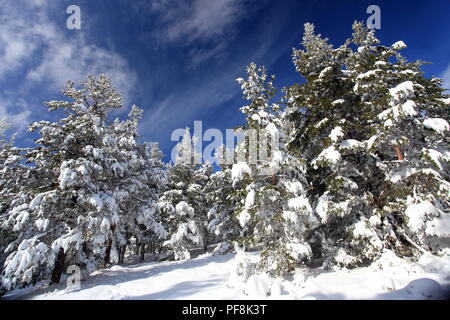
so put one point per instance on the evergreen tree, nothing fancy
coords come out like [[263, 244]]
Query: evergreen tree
[[74, 207], [276, 213], [355, 124], [223, 202], [182, 212]]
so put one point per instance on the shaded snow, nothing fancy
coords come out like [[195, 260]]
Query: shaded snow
[[207, 277], [349, 143]]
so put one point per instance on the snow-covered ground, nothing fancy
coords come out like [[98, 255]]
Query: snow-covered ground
[[208, 277]]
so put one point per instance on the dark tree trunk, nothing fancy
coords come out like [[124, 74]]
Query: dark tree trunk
[[109, 246], [138, 247], [122, 253], [141, 258], [59, 266], [108, 252], [205, 242], [151, 247]]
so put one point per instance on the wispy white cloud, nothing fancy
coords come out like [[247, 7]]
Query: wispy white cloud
[[206, 26], [195, 99], [198, 19], [17, 112], [34, 46]]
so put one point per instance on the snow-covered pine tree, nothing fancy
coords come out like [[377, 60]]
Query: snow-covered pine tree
[[198, 199], [184, 223], [142, 179], [6, 159], [409, 114], [12, 171], [223, 203], [78, 188], [337, 116], [276, 213]]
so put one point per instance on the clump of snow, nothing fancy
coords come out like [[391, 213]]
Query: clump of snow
[[330, 156], [367, 74], [299, 203], [388, 123], [375, 220], [294, 187], [322, 207], [321, 122], [223, 248], [336, 134], [399, 45], [406, 109], [439, 226], [344, 258], [298, 250], [42, 224], [250, 199], [67, 176], [437, 124], [239, 170], [404, 90], [416, 213], [96, 202], [435, 156], [409, 108], [183, 208], [244, 218], [370, 142], [324, 72], [350, 144], [338, 101], [396, 175]]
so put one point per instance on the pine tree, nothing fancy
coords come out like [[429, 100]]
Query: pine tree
[[182, 213], [142, 179], [276, 213], [85, 171], [356, 125], [223, 203]]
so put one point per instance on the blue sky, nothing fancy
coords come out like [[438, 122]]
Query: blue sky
[[178, 59]]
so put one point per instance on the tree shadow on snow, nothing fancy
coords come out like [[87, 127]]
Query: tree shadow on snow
[[120, 274]]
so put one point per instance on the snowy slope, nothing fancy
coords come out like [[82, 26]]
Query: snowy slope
[[207, 277]]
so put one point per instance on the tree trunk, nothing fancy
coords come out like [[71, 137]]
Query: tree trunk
[[59, 266], [205, 242], [399, 153], [141, 258], [109, 246], [122, 253], [138, 247]]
